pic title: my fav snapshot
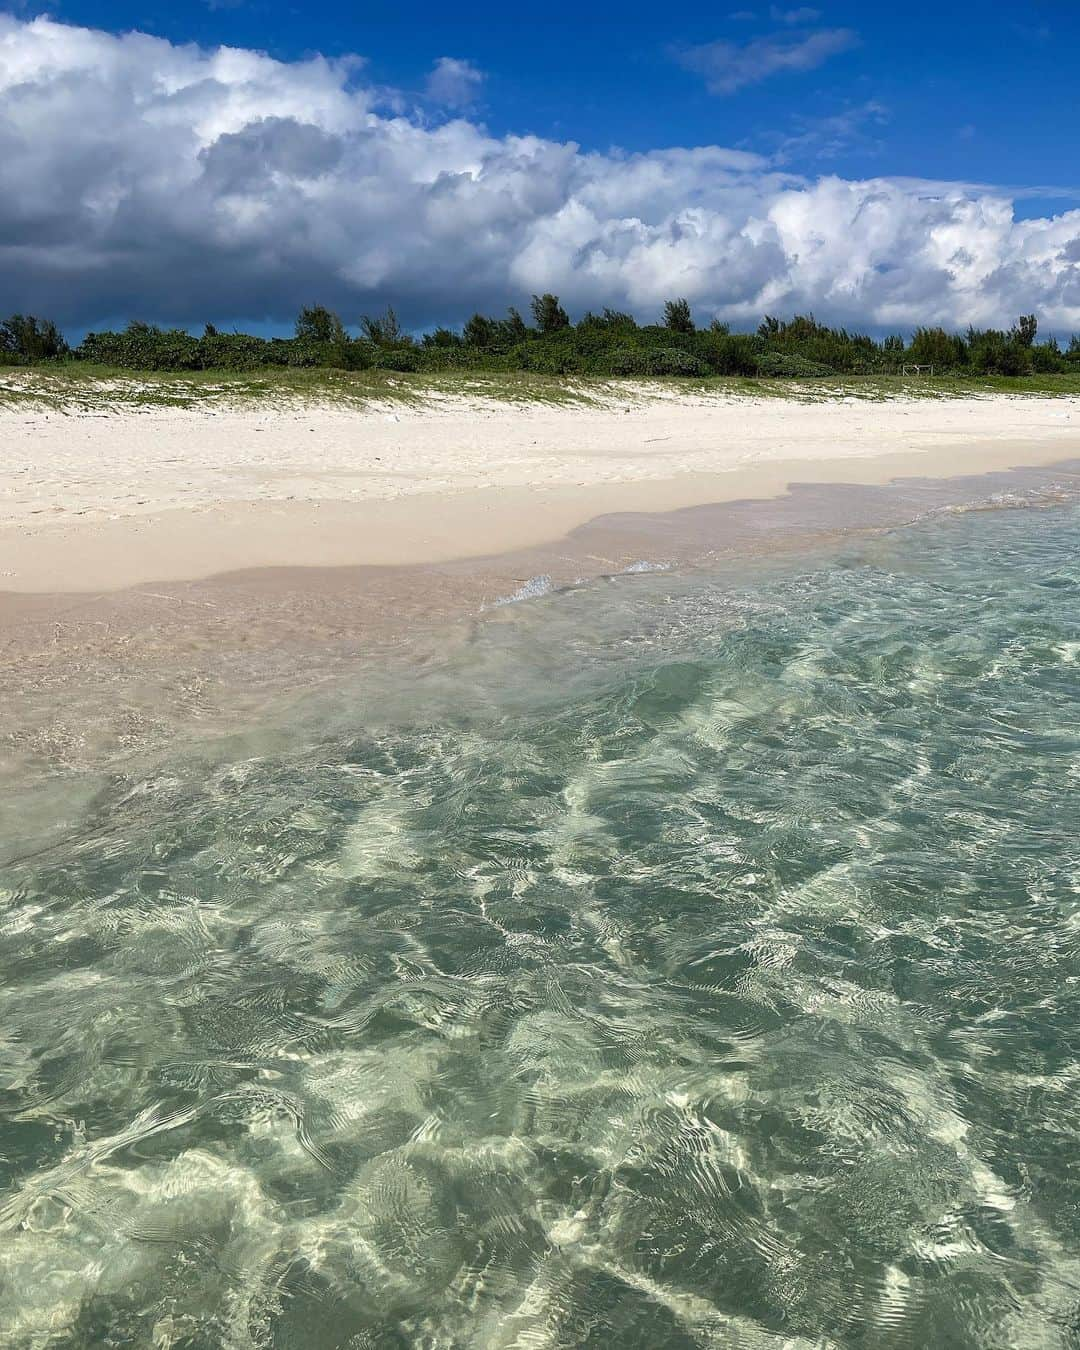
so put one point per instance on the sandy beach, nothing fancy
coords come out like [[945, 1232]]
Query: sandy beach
[[97, 499], [165, 568]]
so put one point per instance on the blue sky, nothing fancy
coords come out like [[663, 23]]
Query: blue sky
[[984, 92], [811, 96]]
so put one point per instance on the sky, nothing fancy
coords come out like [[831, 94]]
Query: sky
[[230, 160]]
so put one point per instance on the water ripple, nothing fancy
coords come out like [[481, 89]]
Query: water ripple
[[696, 966]]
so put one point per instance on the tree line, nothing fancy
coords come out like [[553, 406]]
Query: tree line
[[608, 343]]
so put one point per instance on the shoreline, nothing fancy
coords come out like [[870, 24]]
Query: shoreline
[[92, 503], [100, 677], [129, 623]]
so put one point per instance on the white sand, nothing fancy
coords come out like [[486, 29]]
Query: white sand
[[94, 500]]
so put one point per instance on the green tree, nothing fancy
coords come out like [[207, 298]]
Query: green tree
[[383, 330], [935, 347], [495, 335], [442, 337], [548, 314], [1047, 358], [478, 331], [1027, 326], [612, 320], [515, 326], [27, 338], [992, 352], [316, 323], [677, 316], [804, 327]]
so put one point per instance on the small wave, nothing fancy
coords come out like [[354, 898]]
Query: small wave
[[1033, 498], [643, 565], [533, 589]]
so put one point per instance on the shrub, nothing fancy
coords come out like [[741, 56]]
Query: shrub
[[397, 358], [732, 354], [674, 361], [628, 361], [143, 347], [302, 353], [231, 351], [835, 348], [611, 343], [546, 358], [462, 358], [788, 365]]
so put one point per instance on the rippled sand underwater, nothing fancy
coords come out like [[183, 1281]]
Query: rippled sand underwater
[[689, 961]]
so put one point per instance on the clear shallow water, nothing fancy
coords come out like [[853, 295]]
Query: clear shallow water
[[686, 961]]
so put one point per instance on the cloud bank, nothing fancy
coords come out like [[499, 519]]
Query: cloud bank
[[139, 177]]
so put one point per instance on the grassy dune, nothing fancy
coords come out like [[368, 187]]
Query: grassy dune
[[80, 387]]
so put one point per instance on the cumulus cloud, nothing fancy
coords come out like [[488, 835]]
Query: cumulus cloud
[[454, 83], [143, 178], [730, 66]]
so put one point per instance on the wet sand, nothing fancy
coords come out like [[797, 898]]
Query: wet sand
[[95, 679]]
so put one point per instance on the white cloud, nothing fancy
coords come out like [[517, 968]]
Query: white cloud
[[142, 178], [454, 83], [730, 66]]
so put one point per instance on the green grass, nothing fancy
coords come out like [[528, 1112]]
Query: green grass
[[877, 388], [70, 387], [79, 386]]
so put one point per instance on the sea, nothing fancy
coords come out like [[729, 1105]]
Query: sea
[[687, 956]]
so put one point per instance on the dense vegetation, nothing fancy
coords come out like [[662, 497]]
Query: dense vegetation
[[610, 343]]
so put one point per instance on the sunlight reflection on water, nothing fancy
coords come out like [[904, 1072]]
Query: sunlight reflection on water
[[688, 961]]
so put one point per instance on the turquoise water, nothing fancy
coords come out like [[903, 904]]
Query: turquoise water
[[682, 961]]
